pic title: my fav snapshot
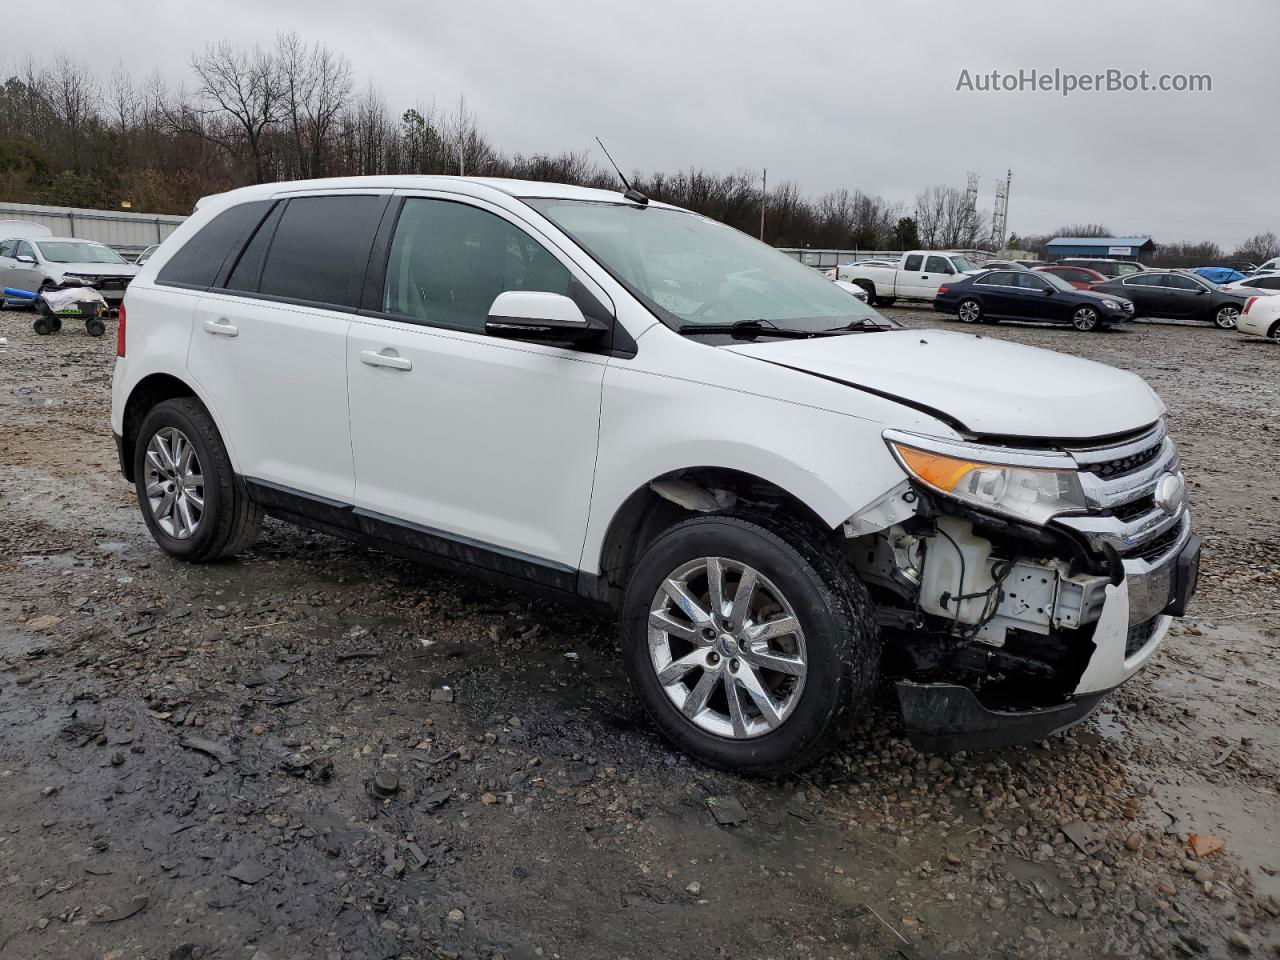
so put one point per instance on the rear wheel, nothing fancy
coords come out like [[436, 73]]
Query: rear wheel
[[194, 505], [752, 647], [1086, 319], [95, 327], [1275, 332], [1226, 317], [969, 311]]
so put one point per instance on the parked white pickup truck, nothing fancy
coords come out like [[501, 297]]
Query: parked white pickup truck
[[916, 276]]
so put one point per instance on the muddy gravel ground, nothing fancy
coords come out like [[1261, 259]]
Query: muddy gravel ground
[[322, 751]]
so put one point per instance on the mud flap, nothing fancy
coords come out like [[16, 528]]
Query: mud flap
[[946, 717]]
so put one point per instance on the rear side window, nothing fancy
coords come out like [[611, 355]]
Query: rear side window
[[1269, 283], [245, 274], [200, 260], [320, 249], [6, 248], [913, 262], [449, 261]]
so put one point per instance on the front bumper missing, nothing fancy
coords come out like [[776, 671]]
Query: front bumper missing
[[945, 717], [1136, 615]]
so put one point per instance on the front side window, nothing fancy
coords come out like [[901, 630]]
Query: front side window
[[938, 265], [1181, 282], [449, 261], [317, 248], [25, 249], [691, 270]]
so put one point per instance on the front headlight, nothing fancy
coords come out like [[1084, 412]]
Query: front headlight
[[76, 278], [1033, 494], [1111, 304]]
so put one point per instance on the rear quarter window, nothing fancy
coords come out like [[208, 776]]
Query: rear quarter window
[[199, 261]]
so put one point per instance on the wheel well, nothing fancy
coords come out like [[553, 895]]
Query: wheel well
[[645, 514], [146, 394]]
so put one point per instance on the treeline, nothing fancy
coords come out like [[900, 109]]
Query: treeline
[[71, 137]]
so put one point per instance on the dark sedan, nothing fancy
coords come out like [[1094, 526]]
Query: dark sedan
[[1023, 295], [1173, 293]]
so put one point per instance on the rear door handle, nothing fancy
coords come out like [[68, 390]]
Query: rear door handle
[[392, 360], [222, 327]]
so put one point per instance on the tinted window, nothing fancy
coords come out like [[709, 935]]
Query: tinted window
[[997, 280], [245, 274], [449, 261], [1180, 282], [6, 248], [1142, 280], [1267, 283], [200, 260], [938, 265], [1029, 281], [913, 262], [319, 245]]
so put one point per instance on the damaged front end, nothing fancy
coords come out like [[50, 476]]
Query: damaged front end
[[1016, 587]]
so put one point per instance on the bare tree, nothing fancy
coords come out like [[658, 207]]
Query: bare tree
[[74, 99], [1084, 230], [125, 99], [241, 91], [316, 86], [1259, 248]]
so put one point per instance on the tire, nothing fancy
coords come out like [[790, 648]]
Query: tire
[[1086, 320], [1225, 317], [1274, 333], [969, 311], [870, 289], [43, 326], [95, 328], [799, 573], [227, 520]]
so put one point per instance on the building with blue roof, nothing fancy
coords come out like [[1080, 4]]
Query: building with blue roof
[[1141, 249]]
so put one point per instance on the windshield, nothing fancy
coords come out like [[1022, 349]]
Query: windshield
[[694, 271], [77, 251], [963, 264], [1056, 280]]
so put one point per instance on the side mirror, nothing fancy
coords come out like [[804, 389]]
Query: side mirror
[[1200, 291], [23, 258], [1048, 292], [540, 317]]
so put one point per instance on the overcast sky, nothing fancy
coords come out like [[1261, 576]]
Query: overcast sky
[[827, 94]]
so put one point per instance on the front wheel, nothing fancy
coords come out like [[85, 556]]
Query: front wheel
[[195, 506], [969, 311], [752, 647], [1226, 317], [1085, 319]]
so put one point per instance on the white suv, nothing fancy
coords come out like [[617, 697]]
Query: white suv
[[783, 495]]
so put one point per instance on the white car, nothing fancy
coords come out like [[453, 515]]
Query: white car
[[40, 263], [1256, 285], [852, 288], [916, 275], [782, 495], [1261, 318]]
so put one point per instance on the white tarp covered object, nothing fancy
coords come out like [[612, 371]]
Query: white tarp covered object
[[69, 299]]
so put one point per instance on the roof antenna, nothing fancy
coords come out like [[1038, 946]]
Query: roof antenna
[[632, 194]]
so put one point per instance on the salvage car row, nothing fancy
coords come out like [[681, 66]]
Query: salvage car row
[[1088, 294]]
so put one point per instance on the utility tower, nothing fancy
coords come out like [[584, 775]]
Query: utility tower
[[1000, 218]]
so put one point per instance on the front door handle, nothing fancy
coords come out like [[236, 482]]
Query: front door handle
[[222, 327], [392, 360]]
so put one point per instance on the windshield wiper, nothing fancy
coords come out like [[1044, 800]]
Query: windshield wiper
[[750, 329], [860, 325]]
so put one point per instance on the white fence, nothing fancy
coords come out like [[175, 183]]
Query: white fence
[[126, 232]]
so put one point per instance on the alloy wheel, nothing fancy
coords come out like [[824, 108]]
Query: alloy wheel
[[174, 483], [727, 648], [970, 311], [1225, 319], [1086, 318]]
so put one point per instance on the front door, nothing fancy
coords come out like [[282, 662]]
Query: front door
[[480, 447]]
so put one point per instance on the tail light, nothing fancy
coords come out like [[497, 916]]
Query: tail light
[[1250, 302], [120, 333], [942, 290]]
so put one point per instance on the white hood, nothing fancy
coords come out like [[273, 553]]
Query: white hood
[[97, 269], [989, 386]]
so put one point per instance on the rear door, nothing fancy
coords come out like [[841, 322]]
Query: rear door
[[477, 447], [269, 342], [1146, 293], [998, 293]]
